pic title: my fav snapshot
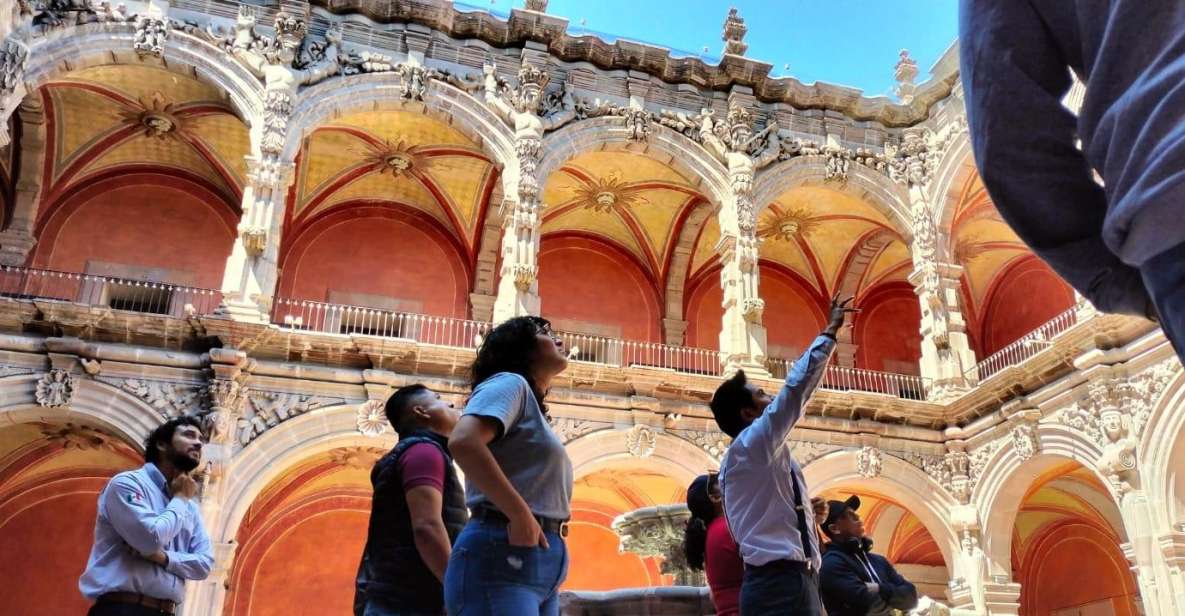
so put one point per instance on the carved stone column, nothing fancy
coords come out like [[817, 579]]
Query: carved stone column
[[252, 270], [207, 596], [226, 397], [518, 278], [742, 335], [14, 57], [658, 531], [17, 241], [947, 357]]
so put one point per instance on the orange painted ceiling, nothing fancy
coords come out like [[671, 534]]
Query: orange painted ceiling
[[99, 119]]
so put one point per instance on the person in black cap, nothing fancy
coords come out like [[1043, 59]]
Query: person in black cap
[[854, 581]]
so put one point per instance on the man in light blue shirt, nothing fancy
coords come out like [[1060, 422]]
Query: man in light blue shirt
[[765, 496], [149, 537]]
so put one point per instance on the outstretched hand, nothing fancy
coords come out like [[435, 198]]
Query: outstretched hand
[[840, 309]]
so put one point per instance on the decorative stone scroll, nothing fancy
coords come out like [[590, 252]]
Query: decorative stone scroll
[[640, 441], [169, 399], [870, 462], [271, 408]]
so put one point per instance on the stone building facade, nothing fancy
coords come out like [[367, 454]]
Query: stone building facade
[[273, 214]]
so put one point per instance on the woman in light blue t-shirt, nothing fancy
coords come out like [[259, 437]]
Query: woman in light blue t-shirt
[[511, 557]]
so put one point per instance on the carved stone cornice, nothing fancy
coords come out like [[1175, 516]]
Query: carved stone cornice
[[622, 54]]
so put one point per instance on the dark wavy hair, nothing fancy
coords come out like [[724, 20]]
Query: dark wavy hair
[[510, 347], [164, 434], [703, 511]]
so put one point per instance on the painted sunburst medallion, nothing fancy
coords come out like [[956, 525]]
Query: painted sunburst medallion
[[394, 158], [607, 194], [788, 225], [157, 115]]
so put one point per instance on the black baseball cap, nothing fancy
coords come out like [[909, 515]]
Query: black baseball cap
[[836, 510]]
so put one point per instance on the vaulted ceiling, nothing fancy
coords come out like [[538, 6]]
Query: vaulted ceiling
[[111, 118], [398, 157], [832, 240], [630, 200], [981, 241]]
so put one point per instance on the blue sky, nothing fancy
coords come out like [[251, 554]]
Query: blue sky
[[848, 42]]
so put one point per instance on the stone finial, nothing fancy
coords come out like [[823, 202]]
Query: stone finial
[[734, 33], [905, 73], [539, 6]]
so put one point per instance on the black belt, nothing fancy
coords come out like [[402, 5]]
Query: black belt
[[781, 565], [549, 525], [165, 606]]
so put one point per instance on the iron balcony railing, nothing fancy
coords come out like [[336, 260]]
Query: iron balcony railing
[[341, 319], [107, 291], [1029, 345], [841, 378], [626, 353]]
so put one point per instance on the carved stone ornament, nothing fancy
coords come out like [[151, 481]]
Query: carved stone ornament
[[713, 442], [80, 438], [658, 532], [13, 58], [571, 428], [254, 240], [869, 462], [55, 389], [168, 399], [362, 458], [640, 441], [151, 34], [752, 308], [1025, 441], [271, 408], [371, 419]]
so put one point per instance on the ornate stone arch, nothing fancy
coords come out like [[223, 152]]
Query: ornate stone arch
[[92, 403], [331, 98], [916, 491], [679, 269], [1007, 478], [111, 43], [1162, 453], [675, 456], [956, 166], [876, 189], [277, 450], [666, 145]]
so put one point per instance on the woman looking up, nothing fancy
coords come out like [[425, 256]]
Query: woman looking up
[[511, 557], [709, 546]]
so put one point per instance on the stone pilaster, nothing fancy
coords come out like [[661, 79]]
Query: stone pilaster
[[518, 279], [1003, 597], [14, 57], [207, 596], [947, 358], [17, 241], [674, 331], [252, 270], [742, 336]]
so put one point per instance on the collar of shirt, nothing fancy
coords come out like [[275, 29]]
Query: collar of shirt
[[157, 477]]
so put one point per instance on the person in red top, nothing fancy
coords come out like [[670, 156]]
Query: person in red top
[[709, 546]]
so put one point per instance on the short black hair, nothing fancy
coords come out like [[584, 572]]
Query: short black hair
[[730, 399], [164, 434], [399, 406]]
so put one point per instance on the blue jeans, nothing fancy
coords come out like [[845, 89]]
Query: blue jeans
[[780, 587], [489, 577]]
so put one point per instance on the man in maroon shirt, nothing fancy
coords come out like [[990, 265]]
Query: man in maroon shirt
[[417, 512]]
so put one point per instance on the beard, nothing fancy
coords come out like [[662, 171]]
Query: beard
[[182, 461]]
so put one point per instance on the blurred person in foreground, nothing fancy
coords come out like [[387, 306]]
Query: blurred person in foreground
[[1119, 242], [709, 547]]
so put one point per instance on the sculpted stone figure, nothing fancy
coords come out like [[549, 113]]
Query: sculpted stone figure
[[523, 108], [734, 143], [274, 61]]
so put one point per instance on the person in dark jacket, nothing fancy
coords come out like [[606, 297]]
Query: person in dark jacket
[[1106, 216], [853, 580], [417, 512]]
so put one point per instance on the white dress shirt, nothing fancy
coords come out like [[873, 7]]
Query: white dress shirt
[[756, 472], [138, 516]]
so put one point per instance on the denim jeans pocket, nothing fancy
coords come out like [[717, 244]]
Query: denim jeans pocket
[[511, 564]]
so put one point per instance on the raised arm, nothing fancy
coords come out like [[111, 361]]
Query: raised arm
[[491, 95], [1015, 76], [803, 377]]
